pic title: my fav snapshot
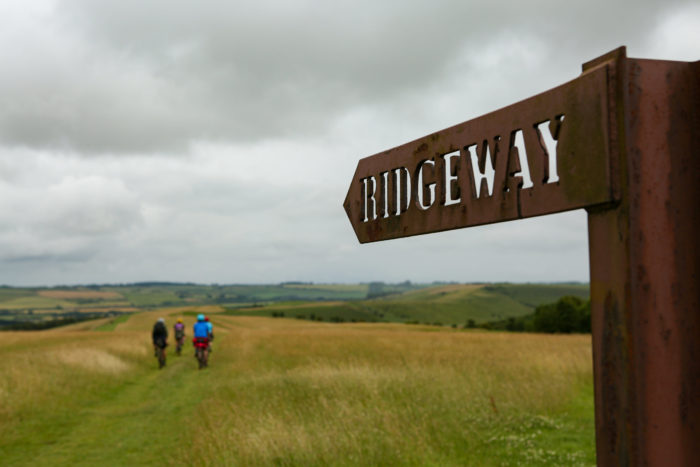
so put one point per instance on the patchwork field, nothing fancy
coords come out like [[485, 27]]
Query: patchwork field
[[448, 304], [293, 392], [78, 293]]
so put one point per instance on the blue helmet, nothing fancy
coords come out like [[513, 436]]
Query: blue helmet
[[200, 317]]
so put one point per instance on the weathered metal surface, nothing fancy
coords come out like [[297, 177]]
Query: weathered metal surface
[[628, 151], [645, 272], [549, 153]]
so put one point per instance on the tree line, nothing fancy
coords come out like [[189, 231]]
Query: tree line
[[567, 315]]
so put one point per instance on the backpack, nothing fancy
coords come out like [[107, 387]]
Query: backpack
[[159, 329], [201, 329], [160, 334]]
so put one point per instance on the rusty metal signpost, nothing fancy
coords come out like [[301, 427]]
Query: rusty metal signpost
[[622, 141]]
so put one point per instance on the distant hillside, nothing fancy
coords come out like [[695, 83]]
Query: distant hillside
[[39, 305], [444, 304], [376, 301]]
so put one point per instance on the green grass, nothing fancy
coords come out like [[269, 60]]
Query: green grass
[[102, 417], [151, 297], [35, 302], [290, 392], [452, 305], [102, 303], [445, 304], [478, 304], [533, 295], [132, 424], [266, 293], [360, 289], [113, 323], [11, 293]]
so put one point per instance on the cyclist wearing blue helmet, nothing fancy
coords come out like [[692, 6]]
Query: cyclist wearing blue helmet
[[201, 336]]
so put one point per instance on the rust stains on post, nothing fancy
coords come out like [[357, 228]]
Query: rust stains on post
[[622, 141], [645, 274]]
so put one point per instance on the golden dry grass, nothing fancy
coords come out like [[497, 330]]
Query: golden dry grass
[[38, 367], [314, 392], [90, 359], [291, 392]]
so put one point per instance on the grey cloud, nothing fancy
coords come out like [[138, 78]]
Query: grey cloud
[[110, 77], [89, 206], [24, 245], [68, 220], [268, 107]]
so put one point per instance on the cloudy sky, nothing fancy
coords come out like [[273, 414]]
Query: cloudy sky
[[215, 141]]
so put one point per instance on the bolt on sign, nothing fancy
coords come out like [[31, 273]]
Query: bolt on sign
[[622, 141]]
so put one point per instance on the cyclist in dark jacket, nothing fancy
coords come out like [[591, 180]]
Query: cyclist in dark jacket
[[160, 335]]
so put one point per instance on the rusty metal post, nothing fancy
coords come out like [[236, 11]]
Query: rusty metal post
[[645, 270], [628, 150]]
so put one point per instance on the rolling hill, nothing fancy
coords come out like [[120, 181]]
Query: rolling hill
[[444, 304], [404, 302]]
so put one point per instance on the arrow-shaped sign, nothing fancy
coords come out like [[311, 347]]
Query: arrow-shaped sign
[[546, 154]]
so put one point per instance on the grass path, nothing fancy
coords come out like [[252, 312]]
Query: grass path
[[147, 421], [144, 423], [141, 416]]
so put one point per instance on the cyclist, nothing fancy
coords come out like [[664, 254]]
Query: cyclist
[[201, 335], [179, 330], [160, 340]]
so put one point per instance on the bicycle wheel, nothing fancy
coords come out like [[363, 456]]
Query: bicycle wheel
[[200, 357]]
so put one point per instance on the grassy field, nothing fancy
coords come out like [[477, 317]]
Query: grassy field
[[292, 392], [444, 304], [448, 304], [86, 294], [153, 295]]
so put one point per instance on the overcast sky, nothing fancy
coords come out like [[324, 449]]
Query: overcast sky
[[215, 141]]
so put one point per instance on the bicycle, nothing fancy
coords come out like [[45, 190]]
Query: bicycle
[[200, 351], [160, 355]]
